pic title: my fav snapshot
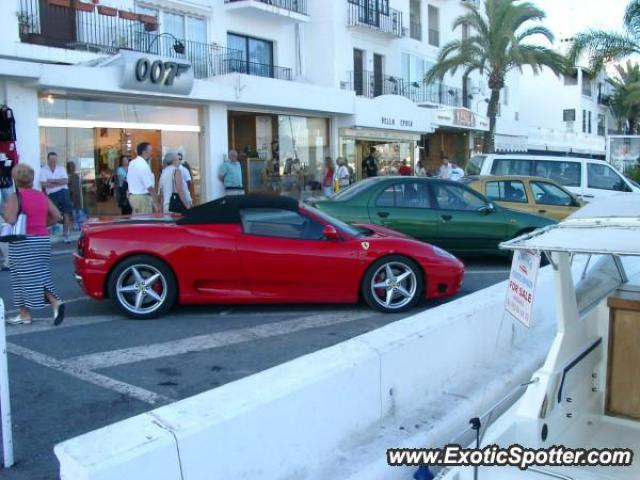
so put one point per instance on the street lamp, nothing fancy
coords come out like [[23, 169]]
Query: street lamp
[[178, 46]]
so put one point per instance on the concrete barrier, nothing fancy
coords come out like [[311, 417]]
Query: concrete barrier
[[332, 413]]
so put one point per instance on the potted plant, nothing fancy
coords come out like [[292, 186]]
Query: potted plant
[[60, 3], [150, 22], [83, 7], [108, 11], [25, 22], [128, 15]]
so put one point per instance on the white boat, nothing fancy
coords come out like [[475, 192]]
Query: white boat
[[587, 393]]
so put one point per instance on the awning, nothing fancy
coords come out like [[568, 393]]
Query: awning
[[379, 135], [511, 143], [609, 227]]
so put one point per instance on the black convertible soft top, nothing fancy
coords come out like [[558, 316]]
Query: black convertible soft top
[[227, 209]]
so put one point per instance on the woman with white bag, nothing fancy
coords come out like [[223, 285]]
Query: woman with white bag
[[30, 248], [341, 177]]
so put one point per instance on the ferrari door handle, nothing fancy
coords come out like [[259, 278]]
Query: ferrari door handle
[[383, 214], [446, 218]]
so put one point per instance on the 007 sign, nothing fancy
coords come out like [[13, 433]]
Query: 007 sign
[[159, 72]]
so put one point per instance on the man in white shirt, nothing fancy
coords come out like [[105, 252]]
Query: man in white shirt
[[55, 182], [445, 168], [456, 172], [142, 192]]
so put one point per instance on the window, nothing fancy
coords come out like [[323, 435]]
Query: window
[[584, 121], [474, 165], [504, 166], [434, 26], [272, 222], [569, 115], [405, 195], [506, 191], [603, 177], [586, 85], [571, 78], [549, 194], [258, 54], [600, 278], [414, 68], [565, 173], [456, 197], [601, 125], [415, 25]]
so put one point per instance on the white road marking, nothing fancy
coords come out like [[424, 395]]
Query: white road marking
[[65, 300], [123, 388], [198, 343], [43, 325]]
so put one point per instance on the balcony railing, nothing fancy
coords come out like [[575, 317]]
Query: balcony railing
[[297, 6], [385, 20], [232, 62], [372, 84], [415, 30]]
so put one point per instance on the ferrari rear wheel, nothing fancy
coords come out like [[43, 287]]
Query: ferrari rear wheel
[[143, 287], [393, 284]]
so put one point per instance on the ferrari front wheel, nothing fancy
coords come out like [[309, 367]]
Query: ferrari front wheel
[[142, 287], [393, 284]]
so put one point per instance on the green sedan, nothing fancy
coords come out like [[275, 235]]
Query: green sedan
[[443, 213]]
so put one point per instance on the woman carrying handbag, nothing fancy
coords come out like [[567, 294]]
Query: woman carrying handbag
[[30, 249], [174, 191]]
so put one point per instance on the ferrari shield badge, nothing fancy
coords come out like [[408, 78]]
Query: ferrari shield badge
[[365, 245]]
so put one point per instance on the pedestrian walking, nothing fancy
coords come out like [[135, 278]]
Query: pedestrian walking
[[230, 173], [75, 192], [30, 258], [456, 172], [172, 180], [141, 182], [187, 173], [341, 179], [405, 169], [122, 186], [370, 164], [55, 181], [445, 168], [420, 170], [327, 181]]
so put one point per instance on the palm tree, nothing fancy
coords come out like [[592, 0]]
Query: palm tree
[[625, 100], [496, 45], [603, 47]]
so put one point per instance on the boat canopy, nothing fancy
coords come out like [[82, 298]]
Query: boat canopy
[[609, 226]]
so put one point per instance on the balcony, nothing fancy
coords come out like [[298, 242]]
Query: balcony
[[371, 84], [382, 19], [232, 62], [286, 10]]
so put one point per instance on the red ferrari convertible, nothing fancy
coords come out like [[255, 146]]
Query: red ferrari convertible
[[257, 249]]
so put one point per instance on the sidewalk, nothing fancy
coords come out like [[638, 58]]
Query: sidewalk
[[59, 247]]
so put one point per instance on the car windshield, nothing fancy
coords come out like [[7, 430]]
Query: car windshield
[[474, 166], [339, 224], [353, 190]]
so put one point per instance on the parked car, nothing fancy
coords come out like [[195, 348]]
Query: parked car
[[527, 194], [585, 177], [445, 213], [257, 249]]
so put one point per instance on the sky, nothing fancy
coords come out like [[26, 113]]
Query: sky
[[567, 17]]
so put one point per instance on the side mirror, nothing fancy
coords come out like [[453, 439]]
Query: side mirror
[[330, 233], [487, 209]]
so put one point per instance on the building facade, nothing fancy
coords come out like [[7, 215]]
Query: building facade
[[285, 82]]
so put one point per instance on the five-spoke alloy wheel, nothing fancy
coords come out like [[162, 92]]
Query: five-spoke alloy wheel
[[393, 284], [142, 287]]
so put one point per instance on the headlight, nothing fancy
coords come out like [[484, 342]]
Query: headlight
[[442, 253]]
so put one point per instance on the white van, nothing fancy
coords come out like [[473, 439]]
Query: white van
[[585, 177]]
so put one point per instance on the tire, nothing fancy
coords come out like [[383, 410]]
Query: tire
[[129, 283], [377, 273]]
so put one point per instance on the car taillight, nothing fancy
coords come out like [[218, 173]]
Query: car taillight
[[81, 242]]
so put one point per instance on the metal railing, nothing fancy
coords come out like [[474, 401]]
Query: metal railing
[[415, 30], [373, 84], [297, 6], [385, 20], [232, 62]]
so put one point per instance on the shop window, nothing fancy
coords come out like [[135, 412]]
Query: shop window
[[565, 173], [456, 197], [272, 222], [603, 177], [506, 191]]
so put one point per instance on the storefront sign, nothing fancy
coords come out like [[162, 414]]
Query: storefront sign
[[461, 118], [156, 74], [522, 286], [464, 118], [389, 112]]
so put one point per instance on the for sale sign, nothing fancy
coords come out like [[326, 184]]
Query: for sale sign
[[522, 285]]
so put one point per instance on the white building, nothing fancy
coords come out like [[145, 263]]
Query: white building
[[280, 79], [566, 114]]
